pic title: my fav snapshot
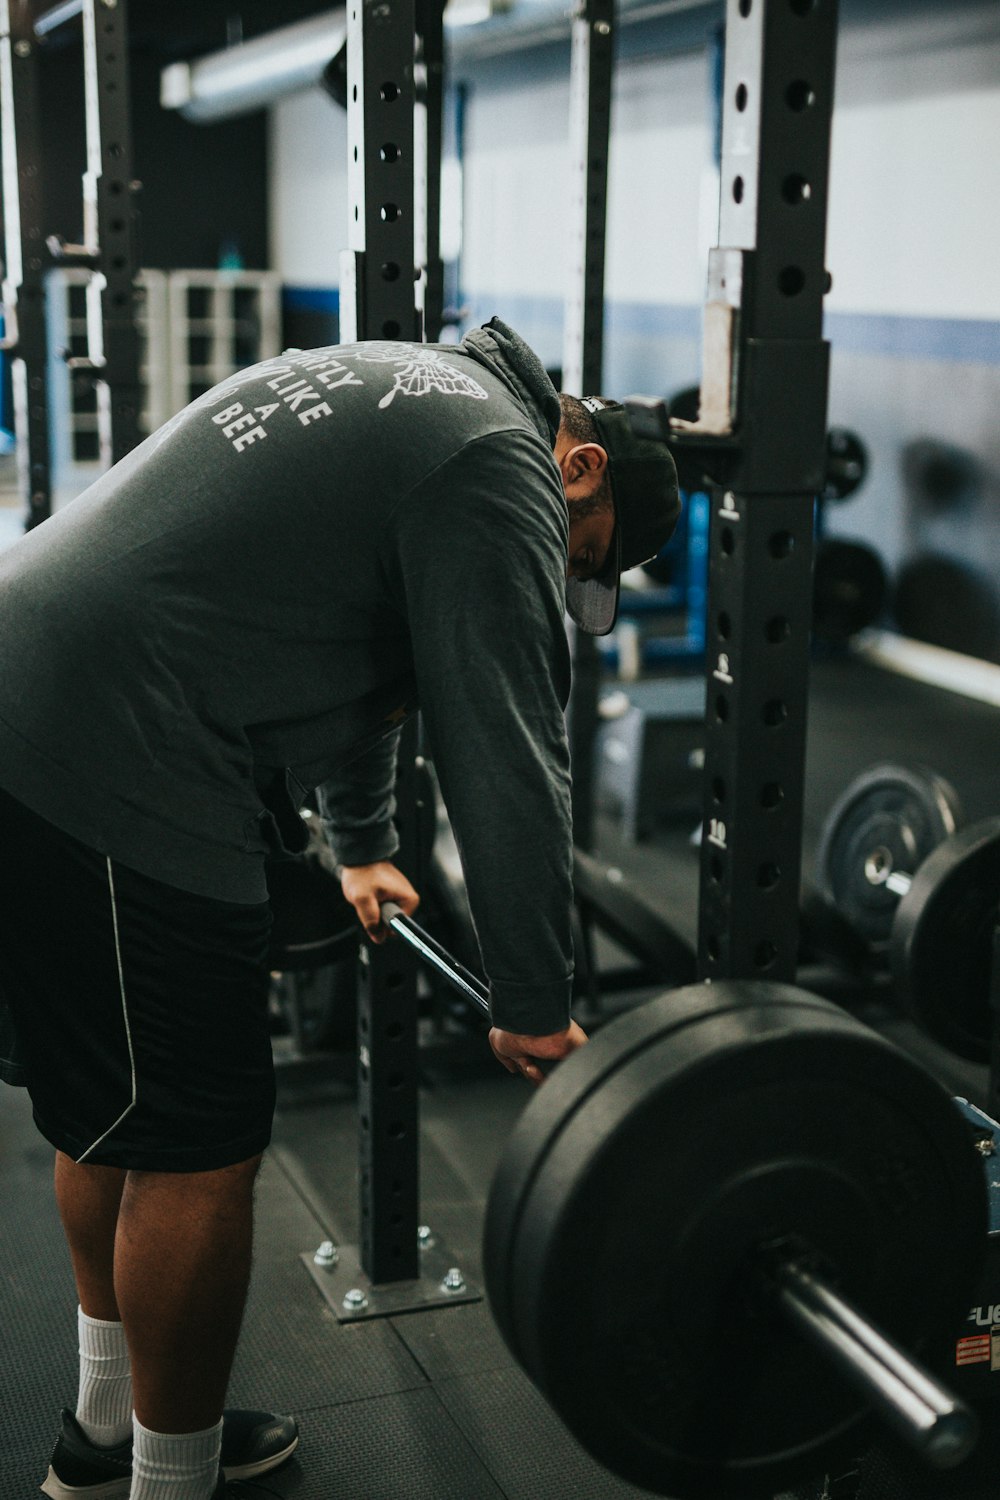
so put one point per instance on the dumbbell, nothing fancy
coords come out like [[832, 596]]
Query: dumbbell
[[876, 837]]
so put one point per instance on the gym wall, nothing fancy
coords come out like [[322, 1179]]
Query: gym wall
[[914, 314]]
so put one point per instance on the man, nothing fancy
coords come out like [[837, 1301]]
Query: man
[[243, 609]]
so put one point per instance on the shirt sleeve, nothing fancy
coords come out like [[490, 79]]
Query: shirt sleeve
[[357, 806], [477, 554]]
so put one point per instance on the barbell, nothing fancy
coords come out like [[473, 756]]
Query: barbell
[[723, 1232]]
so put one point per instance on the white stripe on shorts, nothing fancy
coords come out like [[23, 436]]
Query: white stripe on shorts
[[128, 1030]]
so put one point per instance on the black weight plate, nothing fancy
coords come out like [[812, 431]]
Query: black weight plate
[[947, 603], [569, 1084], [607, 897], [885, 823], [626, 1217], [942, 941], [849, 588]]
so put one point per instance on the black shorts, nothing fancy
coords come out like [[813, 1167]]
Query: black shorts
[[140, 1009]]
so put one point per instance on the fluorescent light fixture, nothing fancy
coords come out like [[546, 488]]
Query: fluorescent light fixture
[[253, 74]]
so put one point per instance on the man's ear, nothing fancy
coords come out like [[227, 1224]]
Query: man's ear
[[583, 468]]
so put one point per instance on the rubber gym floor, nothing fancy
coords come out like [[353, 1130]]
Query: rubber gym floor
[[430, 1404]]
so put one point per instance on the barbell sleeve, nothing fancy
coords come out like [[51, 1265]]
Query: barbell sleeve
[[439, 958], [922, 1411]]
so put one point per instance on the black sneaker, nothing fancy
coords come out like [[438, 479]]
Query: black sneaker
[[253, 1442]]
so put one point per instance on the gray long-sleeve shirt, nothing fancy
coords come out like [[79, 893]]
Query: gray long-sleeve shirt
[[246, 606]]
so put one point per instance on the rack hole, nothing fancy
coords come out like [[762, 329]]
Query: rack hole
[[389, 213], [712, 947], [727, 541], [721, 709], [741, 97], [389, 152], [715, 869], [746, 6], [718, 789], [738, 189], [396, 1130], [781, 544], [791, 280], [771, 795], [777, 630], [801, 7], [723, 625], [764, 954], [394, 1030], [796, 189], [389, 92], [774, 712], [391, 329], [390, 270], [800, 95], [768, 875]]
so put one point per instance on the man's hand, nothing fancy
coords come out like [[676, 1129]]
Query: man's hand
[[367, 886], [518, 1053]]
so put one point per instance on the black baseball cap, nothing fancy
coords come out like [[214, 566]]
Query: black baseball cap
[[647, 504]]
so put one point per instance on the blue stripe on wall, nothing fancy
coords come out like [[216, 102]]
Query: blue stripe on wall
[[310, 299], [953, 340], [956, 340]]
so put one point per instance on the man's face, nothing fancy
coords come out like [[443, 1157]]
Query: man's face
[[583, 467], [589, 541]]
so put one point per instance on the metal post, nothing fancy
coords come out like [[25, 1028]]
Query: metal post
[[388, 1082], [591, 66], [111, 220], [993, 1084], [765, 378], [381, 165], [24, 255], [379, 267], [430, 14]]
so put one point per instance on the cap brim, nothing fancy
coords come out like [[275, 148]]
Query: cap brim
[[593, 602]]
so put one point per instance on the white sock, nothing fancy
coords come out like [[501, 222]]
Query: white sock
[[104, 1403], [175, 1465]]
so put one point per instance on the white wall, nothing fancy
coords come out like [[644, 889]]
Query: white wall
[[308, 182], [914, 216]]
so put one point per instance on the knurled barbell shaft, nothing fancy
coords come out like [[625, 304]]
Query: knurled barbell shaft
[[921, 1410], [457, 975]]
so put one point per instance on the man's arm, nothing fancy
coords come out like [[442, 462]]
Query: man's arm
[[477, 556], [357, 807]]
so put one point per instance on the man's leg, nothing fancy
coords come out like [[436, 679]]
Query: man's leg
[[169, 1253]]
